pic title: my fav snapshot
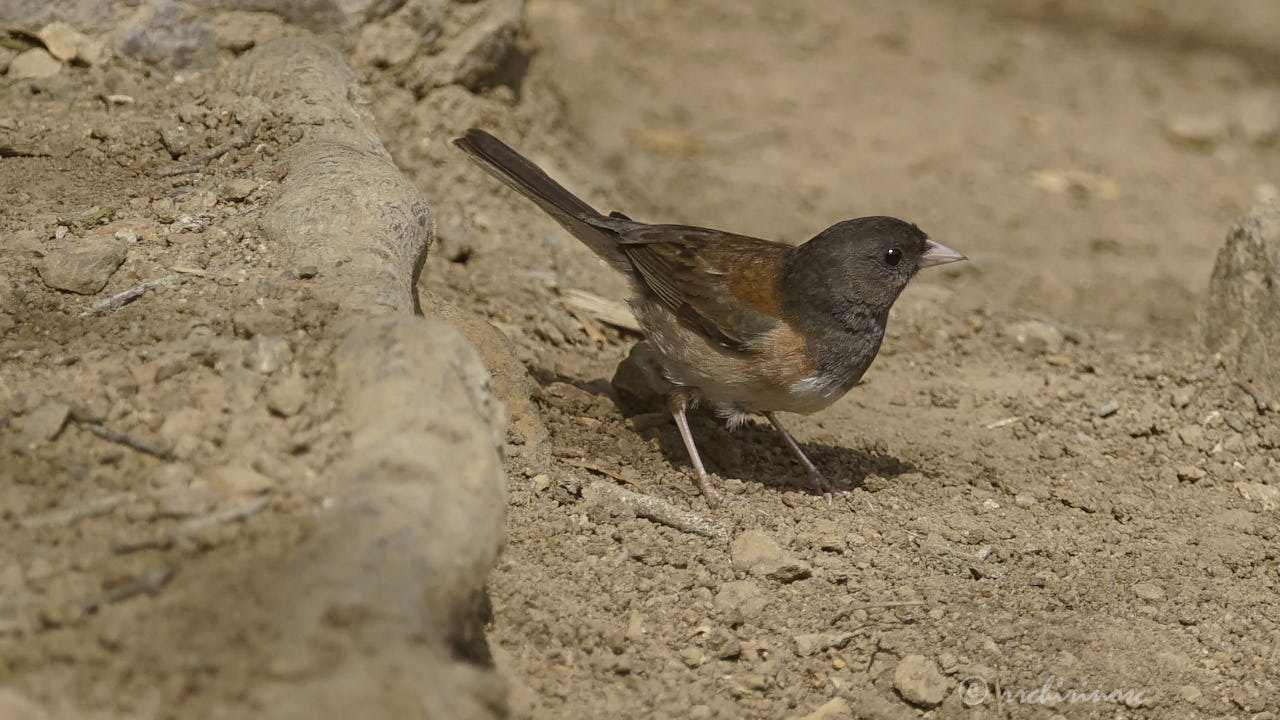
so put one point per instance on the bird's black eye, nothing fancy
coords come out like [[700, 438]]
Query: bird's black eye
[[892, 257]]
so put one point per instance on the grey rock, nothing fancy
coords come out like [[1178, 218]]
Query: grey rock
[[181, 430], [239, 480], [918, 681], [638, 382], [169, 38], [723, 644], [61, 40], [1035, 337], [741, 596], [754, 547], [1108, 409], [692, 657], [177, 138], [287, 396], [192, 113], [757, 553], [1149, 592], [836, 708], [237, 189], [267, 354], [1242, 314], [45, 422], [84, 269], [34, 63], [1191, 473], [1192, 436], [1182, 396]]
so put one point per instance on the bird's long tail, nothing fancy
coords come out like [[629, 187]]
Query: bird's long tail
[[521, 175]]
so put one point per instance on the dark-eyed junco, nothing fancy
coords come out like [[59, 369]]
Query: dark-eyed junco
[[744, 324]]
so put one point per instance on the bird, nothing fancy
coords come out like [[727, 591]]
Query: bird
[[742, 324]]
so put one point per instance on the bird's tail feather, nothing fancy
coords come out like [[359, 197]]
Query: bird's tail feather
[[521, 175]]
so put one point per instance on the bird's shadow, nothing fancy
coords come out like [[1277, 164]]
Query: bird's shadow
[[754, 452]]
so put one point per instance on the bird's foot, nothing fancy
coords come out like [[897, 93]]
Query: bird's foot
[[822, 485], [715, 497]]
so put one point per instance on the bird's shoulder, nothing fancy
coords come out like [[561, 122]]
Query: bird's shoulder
[[723, 284]]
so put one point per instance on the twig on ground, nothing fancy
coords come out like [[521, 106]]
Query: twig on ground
[[593, 467], [197, 272], [659, 511], [236, 143], [588, 325], [126, 296], [74, 513], [125, 439], [1259, 398], [846, 612], [221, 517], [1001, 423], [131, 545], [148, 581], [608, 311]]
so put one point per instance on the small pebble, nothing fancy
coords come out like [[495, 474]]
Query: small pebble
[[267, 354], [918, 681], [34, 63], [1035, 337], [1181, 397], [1191, 436], [1149, 592], [83, 269], [1199, 128], [288, 396], [237, 189], [1107, 410], [46, 422], [1191, 473]]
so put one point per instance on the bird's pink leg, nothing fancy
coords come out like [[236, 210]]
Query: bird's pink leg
[[678, 402], [815, 475]]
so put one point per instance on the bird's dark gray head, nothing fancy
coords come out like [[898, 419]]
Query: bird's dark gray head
[[854, 270]]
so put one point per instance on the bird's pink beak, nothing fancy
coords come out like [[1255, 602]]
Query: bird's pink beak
[[935, 253]]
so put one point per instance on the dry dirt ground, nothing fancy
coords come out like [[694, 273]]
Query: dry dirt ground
[[1051, 488]]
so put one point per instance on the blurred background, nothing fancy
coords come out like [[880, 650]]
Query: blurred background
[[1087, 155]]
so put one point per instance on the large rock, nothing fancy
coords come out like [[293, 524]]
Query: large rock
[[392, 581], [84, 268], [344, 208], [1242, 315], [34, 63]]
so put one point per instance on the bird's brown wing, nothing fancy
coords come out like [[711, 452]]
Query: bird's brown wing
[[722, 285]]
